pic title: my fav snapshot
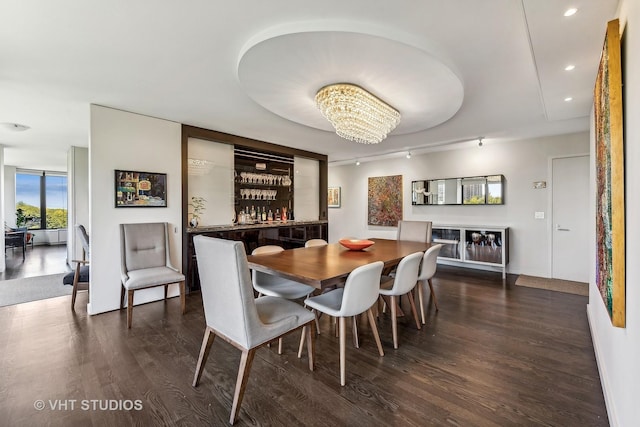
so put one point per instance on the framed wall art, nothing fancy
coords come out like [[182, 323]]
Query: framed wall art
[[333, 197], [384, 200], [140, 189], [610, 204]]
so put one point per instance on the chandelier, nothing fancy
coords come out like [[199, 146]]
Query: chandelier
[[356, 114]]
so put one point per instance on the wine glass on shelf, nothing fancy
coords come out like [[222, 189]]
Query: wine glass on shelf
[[254, 193]]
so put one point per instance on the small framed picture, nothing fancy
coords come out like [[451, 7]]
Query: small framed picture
[[333, 197], [140, 189]]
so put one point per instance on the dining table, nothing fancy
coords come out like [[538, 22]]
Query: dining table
[[329, 265]]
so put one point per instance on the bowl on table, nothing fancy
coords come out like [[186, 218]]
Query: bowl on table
[[356, 244]]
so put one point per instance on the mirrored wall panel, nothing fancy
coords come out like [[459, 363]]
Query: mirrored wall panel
[[475, 190]]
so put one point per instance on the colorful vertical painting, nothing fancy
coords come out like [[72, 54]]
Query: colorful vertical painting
[[610, 205], [385, 200]]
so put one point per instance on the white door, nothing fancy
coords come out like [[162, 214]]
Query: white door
[[570, 213]]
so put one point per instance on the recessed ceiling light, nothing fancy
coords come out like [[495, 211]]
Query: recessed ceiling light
[[568, 99], [357, 162], [14, 127], [570, 12], [570, 67]]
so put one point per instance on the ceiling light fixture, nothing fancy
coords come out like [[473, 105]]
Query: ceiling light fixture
[[357, 162], [570, 12], [408, 154], [568, 99], [14, 127], [570, 67], [480, 141], [356, 114]]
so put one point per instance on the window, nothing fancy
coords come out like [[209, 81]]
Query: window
[[41, 199]]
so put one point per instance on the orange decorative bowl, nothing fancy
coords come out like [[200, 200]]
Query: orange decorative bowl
[[356, 244]]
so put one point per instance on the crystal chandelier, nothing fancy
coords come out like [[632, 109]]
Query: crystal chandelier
[[356, 114]]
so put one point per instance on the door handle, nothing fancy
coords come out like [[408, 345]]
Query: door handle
[[558, 228]]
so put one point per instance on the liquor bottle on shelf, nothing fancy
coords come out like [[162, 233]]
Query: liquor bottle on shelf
[[277, 217], [263, 217], [253, 213], [270, 215]]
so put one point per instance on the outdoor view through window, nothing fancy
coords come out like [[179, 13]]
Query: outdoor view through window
[[41, 199]]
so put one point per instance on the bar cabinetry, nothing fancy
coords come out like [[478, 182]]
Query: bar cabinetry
[[290, 234], [486, 246]]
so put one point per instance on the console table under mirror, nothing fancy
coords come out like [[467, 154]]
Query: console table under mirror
[[224, 175], [475, 190]]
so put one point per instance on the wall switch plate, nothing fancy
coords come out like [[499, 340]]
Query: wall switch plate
[[539, 215]]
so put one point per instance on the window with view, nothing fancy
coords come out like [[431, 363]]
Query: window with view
[[41, 199]]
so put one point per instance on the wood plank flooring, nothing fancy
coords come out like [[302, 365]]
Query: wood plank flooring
[[494, 355], [40, 260]]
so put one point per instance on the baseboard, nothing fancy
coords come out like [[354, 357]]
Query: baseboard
[[604, 378]]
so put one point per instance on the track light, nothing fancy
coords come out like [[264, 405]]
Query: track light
[[408, 154], [357, 162], [480, 141]]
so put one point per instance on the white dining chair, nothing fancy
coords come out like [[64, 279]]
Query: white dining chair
[[275, 286], [358, 295], [414, 231], [427, 271], [402, 283], [315, 242], [232, 312]]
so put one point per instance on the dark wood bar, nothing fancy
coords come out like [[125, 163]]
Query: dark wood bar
[[289, 234]]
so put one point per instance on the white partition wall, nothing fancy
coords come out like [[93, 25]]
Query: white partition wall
[[306, 189], [77, 199], [127, 141]]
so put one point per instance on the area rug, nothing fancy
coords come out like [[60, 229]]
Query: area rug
[[16, 291], [566, 286]]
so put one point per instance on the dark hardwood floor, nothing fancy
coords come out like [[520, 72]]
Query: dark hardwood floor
[[38, 261], [493, 355]]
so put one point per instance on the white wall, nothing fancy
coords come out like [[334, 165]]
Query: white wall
[[9, 187], [122, 140], [306, 189], [521, 162], [77, 199], [3, 194], [618, 349]]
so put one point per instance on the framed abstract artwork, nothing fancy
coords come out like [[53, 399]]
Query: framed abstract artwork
[[384, 200], [333, 197], [140, 189], [610, 204]]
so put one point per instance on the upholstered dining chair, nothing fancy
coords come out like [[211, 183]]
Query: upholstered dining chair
[[145, 262], [271, 285], [402, 283], [232, 313], [79, 277], [427, 271], [358, 295], [414, 231], [315, 242]]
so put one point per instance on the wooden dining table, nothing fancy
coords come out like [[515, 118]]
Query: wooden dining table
[[325, 266]]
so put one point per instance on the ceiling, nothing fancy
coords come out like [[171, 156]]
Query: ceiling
[[455, 69]]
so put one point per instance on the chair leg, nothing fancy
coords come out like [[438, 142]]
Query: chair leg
[[302, 339], [433, 295], [74, 292], [183, 297], [394, 322], [374, 329], [166, 291], [122, 290], [241, 383], [356, 343], [310, 347], [420, 288], [343, 333], [129, 307], [413, 309], [280, 345], [209, 336]]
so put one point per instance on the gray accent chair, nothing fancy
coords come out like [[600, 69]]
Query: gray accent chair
[[232, 313], [427, 271], [414, 231], [79, 277], [146, 262], [402, 283], [358, 295]]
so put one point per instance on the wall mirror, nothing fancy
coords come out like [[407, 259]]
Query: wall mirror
[[475, 190]]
